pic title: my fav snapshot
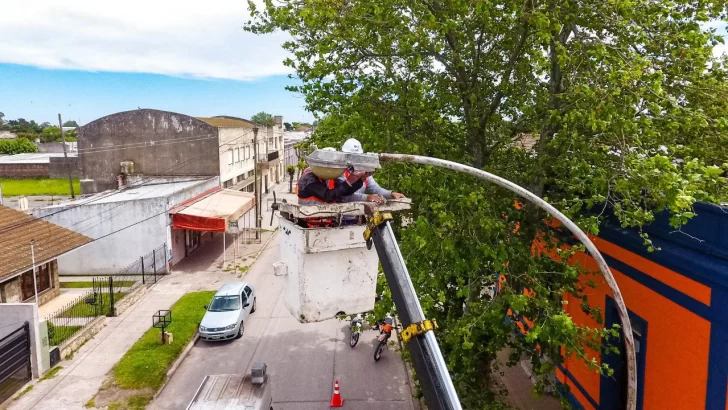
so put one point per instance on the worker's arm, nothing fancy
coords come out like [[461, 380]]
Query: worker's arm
[[376, 189]]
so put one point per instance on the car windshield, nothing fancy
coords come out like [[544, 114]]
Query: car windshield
[[225, 303]]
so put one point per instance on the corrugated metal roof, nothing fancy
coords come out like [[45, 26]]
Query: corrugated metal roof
[[17, 229], [223, 122]]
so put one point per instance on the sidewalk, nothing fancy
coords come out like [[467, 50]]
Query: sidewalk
[[81, 377]]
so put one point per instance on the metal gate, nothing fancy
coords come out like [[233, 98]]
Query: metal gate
[[15, 368]]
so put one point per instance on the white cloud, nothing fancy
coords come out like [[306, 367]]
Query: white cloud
[[179, 38]]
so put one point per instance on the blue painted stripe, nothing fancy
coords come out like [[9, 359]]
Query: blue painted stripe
[[570, 397], [715, 398], [669, 292], [711, 272], [578, 386]]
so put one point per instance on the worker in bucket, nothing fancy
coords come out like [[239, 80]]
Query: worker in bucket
[[312, 190], [370, 191]]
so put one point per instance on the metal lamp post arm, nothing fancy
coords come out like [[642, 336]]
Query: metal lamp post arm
[[571, 226]]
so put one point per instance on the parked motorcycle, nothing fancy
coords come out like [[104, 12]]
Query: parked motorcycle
[[356, 328], [385, 333]]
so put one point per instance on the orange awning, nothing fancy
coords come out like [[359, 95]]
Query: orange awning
[[212, 210]]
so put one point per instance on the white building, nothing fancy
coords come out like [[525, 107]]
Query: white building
[[147, 215]]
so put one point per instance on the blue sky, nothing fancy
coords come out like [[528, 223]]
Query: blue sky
[[86, 59], [40, 94], [89, 58]]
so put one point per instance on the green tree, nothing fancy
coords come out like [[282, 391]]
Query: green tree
[[50, 134], [291, 169], [2, 118], [70, 124], [288, 126], [607, 109], [263, 118]]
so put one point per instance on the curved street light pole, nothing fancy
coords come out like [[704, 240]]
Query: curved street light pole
[[571, 226]]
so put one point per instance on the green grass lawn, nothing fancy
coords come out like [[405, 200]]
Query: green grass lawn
[[83, 309], [117, 284], [146, 363], [61, 333], [40, 186]]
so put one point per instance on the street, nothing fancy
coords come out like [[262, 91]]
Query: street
[[303, 359]]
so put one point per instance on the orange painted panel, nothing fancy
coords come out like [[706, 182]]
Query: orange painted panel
[[694, 289], [676, 367]]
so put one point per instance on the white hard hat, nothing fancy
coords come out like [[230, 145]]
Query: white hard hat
[[352, 145]]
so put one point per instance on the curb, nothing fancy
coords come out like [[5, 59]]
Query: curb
[[177, 363]]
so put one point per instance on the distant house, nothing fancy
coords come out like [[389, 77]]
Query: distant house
[[303, 128], [7, 135], [50, 241]]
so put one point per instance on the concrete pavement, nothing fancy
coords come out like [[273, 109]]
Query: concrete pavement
[[303, 359], [81, 377]]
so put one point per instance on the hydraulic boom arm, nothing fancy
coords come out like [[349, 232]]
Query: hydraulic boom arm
[[429, 364]]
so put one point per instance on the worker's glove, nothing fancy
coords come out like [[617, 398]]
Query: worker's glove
[[355, 176]]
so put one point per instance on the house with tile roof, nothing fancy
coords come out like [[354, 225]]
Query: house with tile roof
[[25, 242]]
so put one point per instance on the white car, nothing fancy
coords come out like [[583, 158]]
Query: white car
[[226, 314]]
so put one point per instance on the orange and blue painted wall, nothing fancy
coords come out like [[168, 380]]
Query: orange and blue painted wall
[[677, 298]]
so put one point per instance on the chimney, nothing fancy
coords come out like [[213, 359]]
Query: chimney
[[278, 120]]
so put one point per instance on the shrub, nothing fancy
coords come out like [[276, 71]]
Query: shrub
[[17, 146]]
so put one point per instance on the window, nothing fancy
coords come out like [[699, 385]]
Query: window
[[248, 156], [248, 291], [228, 183], [224, 303], [237, 155], [42, 278], [230, 157]]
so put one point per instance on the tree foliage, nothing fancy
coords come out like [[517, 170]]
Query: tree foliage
[[263, 118], [607, 109], [71, 123]]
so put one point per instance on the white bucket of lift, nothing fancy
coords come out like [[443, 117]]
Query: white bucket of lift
[[329, 271]]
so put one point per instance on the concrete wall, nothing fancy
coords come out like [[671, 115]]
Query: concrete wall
[[146, 222], [20, 171], [159, 143], [57, 147], [57, 167], [12, 316]]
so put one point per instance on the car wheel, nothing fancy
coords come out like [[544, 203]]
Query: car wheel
[[255, 300], [241, 329]]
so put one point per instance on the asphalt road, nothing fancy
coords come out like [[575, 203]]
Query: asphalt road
[[303, 359]]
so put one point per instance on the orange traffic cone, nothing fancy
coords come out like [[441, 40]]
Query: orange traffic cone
[[336, 400]]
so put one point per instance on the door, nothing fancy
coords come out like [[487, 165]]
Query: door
[[244, 300], [613, 389], [15, 368]]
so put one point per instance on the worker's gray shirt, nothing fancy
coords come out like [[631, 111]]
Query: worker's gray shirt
[[369, 188]]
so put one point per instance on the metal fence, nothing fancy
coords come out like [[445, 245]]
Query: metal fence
[[104, 294], [148, 268], [72, 317]]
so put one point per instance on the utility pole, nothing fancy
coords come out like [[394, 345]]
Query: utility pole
[[65, 157], [256, 182], [35, 285]]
